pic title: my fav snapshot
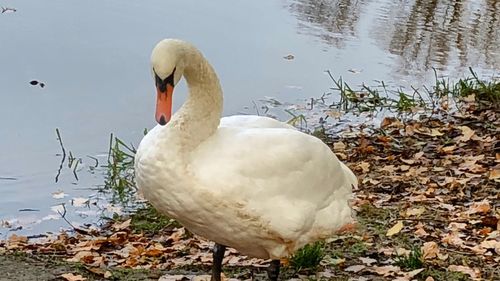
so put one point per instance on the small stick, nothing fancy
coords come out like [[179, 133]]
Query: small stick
[[63, 155], [63, 215]]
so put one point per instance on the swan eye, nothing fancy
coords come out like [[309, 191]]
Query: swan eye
[[161, 84]]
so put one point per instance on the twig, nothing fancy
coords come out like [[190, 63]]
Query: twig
[[459, 252], [7, 9], [63, 155], [63, 215], [95, 159], [256, 108]]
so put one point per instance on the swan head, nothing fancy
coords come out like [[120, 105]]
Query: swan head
[[167, 63]]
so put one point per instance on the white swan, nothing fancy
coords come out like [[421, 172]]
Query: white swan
[[249, 182]]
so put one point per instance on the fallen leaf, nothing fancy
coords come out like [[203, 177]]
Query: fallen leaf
[[72, 277], [494, 174], [415, 212], [395, 229], [59, 194], [418, 155], [430, 250], [389, 168], [420, 232], [479, 207], [326, 260], [404, 168], [365, 166], [467, 133], [453, 239], [415, 272], [339, 146], [386, 270], [79, 201], [367, 261], [17, 239], [491, 244], [448, 149], [122, 225], [355, 268], [474, 273], [171, 277]]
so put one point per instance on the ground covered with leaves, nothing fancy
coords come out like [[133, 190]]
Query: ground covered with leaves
[[428, 208]]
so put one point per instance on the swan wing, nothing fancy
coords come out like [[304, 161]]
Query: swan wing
[[282, 176], [253, 121]]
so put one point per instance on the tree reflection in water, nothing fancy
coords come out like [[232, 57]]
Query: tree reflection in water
[[422, 33]]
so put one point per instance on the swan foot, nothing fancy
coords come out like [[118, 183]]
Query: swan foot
[[218, 255], [273, 271]]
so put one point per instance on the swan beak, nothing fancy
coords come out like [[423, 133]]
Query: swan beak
[[164, 105]]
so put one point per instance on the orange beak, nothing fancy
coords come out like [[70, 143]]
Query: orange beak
[[164, 105]]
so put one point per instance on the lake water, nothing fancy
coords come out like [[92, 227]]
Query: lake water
[[93, 57]]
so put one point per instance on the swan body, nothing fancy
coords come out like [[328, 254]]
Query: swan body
[[249, 182]]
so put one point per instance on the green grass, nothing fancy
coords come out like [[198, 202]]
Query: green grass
[[483, 91], [413, 260], [378, 97], [120, 170], [308, 257]]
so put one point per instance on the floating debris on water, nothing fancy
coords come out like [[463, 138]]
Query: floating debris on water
[[35, 82]]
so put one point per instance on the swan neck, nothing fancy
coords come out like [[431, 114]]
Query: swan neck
[[199, 116]]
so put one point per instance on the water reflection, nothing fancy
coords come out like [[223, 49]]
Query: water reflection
[[422, 34], [331, 21]]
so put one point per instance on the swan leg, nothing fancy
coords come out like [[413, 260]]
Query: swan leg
[[273, 271], [218, 255]]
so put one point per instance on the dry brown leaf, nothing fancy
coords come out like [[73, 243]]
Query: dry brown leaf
[[172, 277], [73, 277], [404, 168], [339, 146], [395, 229], [494, 174], [122, 225], [474, 273], [430, 250], [389, 168], [482, 207], [390, 122], [420, 231], [428, 132], [418, 155], [400, 251], [491, 244], [387, 270], [415, 272], [454, 226], [408, 161], [365, 167], [83, 256], [467, 133], [17, 239], [448, 149], [367, 261], [453, 239], [355, 268], [415, 212]]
